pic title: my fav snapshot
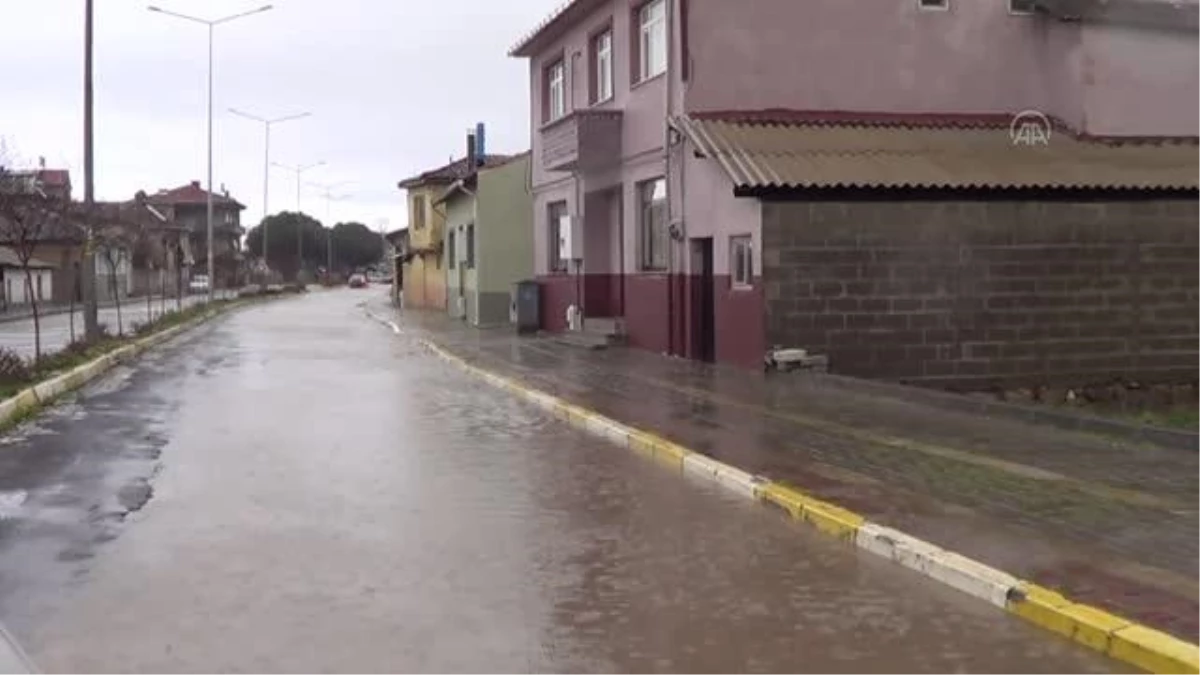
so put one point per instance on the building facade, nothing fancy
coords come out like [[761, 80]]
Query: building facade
[[489, 241], [186, 207], [666, 235], [424, 273]]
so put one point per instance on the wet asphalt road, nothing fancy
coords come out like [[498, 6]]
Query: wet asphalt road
[[56, 328], [294, 488]]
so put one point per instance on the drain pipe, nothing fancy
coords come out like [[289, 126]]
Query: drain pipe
[[667, 105]]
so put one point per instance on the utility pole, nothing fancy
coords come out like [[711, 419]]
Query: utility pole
[[211, 24], [299, 171], [327, 192], [87, 268], [267, 123]]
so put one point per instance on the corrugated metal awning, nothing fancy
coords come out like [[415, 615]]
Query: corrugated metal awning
[[757, 153]]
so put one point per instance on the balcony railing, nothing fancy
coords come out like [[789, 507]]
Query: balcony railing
[[584, 140]]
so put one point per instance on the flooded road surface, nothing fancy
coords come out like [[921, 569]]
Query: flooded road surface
[[294, 488]]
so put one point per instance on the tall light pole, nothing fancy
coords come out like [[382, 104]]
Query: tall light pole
[[211, 24], [299, 171], [87, 267], [327, 192], [267, 167]]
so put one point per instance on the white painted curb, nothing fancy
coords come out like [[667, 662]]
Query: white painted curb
[[945, 566]]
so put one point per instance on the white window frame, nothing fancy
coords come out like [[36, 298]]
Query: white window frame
[[603, 46], [741, 247], [652, 23], [556, 90], [653, 237], [936, 6]]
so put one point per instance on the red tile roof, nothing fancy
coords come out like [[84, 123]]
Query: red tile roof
[[55, 177], [448, 173], [191, 193]]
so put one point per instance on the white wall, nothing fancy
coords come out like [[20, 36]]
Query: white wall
[[14, 285]]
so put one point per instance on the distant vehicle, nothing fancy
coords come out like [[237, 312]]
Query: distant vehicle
[[198, 284], [358, 281]]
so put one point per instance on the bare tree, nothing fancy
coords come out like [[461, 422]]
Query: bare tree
[[26, 216], [113, 249]]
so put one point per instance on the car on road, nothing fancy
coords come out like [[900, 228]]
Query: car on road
[[198, 284], [358, 281]]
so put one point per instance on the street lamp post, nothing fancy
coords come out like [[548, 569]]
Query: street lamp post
[[327, 192], [91, 317], [267, 168], [299, 171], [211, 24]]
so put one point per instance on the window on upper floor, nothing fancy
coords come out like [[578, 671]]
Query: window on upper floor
[[1021, 6], [651, 46], [556, 91], [602, 66], [936, 5], [418, 211], [652, 224]]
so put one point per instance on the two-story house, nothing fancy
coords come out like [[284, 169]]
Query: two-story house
[[897, 183], [489, 240], [424, 274], [187, 207]]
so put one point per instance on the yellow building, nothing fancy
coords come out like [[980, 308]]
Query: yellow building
[[424, 272], [424, 280]]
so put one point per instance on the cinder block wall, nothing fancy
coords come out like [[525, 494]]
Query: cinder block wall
[[971, 294]]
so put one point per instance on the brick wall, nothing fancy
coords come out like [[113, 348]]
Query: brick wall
[[975, 293]]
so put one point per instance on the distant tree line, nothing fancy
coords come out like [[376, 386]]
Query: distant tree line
[[299, 241]]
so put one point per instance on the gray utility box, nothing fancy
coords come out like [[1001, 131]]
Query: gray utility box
[[527, 306]]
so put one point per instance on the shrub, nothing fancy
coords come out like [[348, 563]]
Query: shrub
[[13, 368]]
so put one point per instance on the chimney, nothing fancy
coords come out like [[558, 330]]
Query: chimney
[[42, 163], [223, 190], [472, 160], [196, 184], [480, 146]]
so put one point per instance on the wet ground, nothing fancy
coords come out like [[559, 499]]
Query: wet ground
[[17, 334], [294, 488]]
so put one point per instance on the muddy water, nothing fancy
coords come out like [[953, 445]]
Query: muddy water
[[296, 489]]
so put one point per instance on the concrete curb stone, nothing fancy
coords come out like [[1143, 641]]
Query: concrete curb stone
[[1113, 636]]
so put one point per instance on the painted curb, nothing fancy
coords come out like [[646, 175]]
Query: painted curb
[[1118, 638], [47, 391]]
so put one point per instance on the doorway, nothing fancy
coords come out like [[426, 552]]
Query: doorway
[[703, 299]]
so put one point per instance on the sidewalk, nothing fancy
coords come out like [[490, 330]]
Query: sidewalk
[[1109, 522], [23, 312]]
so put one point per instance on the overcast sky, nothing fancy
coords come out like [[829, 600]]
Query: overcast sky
[[392, 85]]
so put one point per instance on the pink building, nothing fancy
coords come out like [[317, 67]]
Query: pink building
[[668, 242]]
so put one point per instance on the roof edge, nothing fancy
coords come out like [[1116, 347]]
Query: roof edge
[[927, 120]]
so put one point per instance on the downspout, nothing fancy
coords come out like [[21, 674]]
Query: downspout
[[474, 244], [579, 290], [667, 105]]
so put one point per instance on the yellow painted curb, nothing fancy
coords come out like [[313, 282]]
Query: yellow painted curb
[[1106, 633], [826, 517], [1154, 650]]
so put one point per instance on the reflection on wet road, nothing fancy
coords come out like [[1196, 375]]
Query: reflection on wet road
[[293, 488]]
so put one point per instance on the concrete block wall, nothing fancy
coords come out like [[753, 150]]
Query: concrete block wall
[[977, 293]]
